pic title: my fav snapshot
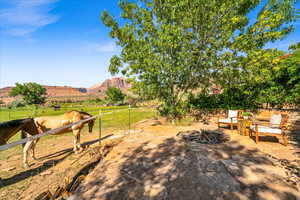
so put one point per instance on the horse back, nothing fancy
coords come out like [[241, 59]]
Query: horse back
[[10, 128]]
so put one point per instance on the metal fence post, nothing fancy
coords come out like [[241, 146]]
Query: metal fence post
[[129, 119], [34, 112], [100, 126]]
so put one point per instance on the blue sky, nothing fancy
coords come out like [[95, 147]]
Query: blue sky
[[62, 42]]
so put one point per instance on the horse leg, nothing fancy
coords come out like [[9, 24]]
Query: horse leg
[[33, 149], [78, 141], [77, 147], [27, 147]]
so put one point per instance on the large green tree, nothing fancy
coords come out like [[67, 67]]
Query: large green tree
[[32, 93], [172, 47], [114, 95], [286, 78]]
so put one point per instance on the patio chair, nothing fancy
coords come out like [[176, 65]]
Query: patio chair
[[275, 127], [232, 118]]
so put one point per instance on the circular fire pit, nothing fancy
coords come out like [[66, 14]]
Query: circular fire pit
[[203, 136]]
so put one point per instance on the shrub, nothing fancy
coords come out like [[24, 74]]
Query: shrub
[[16, 104]]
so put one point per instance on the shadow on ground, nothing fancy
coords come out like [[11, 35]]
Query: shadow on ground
[[50, 161], [177, 170]]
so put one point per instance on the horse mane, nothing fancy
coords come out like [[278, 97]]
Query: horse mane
[[13, 123], [85, 113], [81, 112]]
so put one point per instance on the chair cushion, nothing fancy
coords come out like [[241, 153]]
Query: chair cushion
[[265, 129], [275, 121], [232, 113], [228, 121]]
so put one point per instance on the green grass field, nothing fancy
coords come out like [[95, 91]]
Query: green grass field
[[25, 112], [117, 120]]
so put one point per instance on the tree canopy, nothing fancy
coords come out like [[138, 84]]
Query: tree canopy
[[114, 95], [32, 93], [172, 47]]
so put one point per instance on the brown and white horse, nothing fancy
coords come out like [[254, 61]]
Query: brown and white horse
[[10, 128], [52, 122]]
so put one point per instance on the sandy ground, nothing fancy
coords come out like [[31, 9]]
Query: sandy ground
[[56, 165], [153, 163], [156, 164]]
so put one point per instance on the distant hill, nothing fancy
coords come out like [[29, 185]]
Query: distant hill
[[52, 91], [59, 92], [100, 88]]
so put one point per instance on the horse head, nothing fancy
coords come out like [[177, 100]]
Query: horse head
[[91, 122], [91, 125]]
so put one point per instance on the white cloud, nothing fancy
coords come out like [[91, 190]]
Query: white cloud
[[22, 17], [109, 47]]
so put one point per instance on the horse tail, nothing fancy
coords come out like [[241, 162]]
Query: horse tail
[[23, 136]]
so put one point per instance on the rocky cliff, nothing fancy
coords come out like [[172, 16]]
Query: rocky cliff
[[100, 88]]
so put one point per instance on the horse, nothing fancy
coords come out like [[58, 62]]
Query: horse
[[52, 122], [10, 128]]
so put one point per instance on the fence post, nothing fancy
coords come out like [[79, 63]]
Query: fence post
[[34, 112], [9, 115], [100, 127], [129, 119]]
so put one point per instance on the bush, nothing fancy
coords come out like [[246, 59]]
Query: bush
[[172, 111], [132, 99], [16, 104], [230, 98], [114, 95]]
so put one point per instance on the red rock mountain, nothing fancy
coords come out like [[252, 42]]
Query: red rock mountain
[[52, 91], [100, 88], [69, 92]]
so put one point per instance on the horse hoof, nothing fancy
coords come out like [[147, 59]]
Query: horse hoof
[[78, 151]]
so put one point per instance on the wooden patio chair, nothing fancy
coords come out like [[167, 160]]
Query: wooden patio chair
[[275, 127], [231, 118]]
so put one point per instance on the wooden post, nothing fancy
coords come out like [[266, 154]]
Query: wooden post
[[256, 134], [100, 126]]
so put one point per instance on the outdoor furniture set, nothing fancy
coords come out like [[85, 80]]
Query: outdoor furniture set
[[261, 124]]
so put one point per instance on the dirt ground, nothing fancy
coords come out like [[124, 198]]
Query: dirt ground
[[156, 164], [153, 163], [56, 165]]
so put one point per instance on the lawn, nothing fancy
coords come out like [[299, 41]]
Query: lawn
[[30, 111], [113, 118]]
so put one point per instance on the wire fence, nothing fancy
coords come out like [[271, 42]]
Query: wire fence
[[106, 118], [7, 114], [107, 122]]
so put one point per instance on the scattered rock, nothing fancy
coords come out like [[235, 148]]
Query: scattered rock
[[155, 123], [203, 136], [44, 196], [222, 154], [292, 169], [149, 122], [232, 167], [46, 173], [10, 169]]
